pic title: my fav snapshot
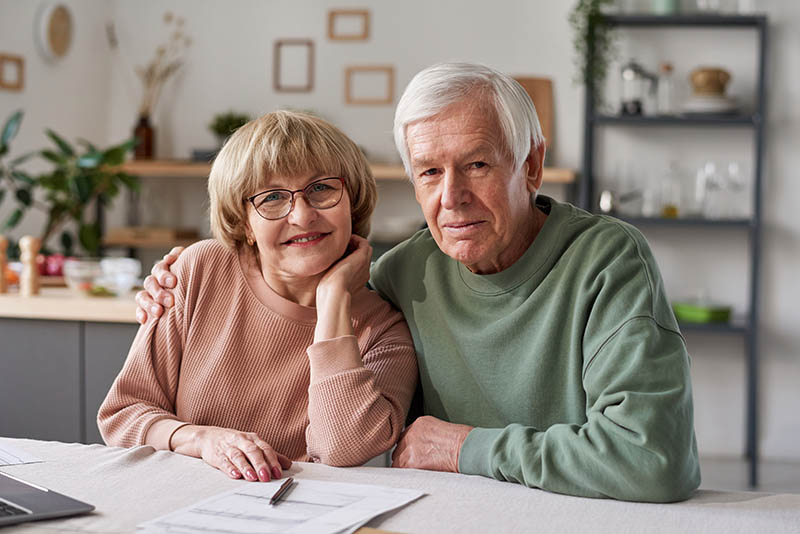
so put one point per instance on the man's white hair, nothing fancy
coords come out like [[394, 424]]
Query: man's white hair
[[439, 86]]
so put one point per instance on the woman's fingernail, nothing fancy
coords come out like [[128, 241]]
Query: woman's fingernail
[[263, 474], [251, 475], [276, 472], [235, 473]]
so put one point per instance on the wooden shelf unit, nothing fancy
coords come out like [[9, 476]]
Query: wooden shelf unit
[[193, 169]]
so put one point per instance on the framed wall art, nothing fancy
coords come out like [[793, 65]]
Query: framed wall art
[[293, 65], [348, 24], [12, 72], [369, 85]]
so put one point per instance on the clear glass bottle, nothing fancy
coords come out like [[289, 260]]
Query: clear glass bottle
[[671, 192], [665, 101]]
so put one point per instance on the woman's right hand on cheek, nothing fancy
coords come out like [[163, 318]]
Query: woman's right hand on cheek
[[156, 295], [239, 454]]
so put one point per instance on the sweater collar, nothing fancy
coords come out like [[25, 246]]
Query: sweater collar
[[530, 263]]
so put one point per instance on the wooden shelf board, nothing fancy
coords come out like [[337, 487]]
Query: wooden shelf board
[[193, 169], [149, 243], [167, 168]]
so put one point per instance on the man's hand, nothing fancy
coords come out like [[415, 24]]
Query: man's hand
[[156, 288], [430, 443], [237, 454]]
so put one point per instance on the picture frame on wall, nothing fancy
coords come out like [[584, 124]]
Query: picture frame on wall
[[369, 85], [348, 24], [12, 72], [293, 65]]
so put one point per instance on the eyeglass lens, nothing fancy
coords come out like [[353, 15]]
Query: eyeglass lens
[[322, 194]]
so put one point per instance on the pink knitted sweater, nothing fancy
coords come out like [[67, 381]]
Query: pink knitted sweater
[[233, 353]]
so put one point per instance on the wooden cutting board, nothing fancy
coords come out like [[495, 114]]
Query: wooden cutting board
[[541, 92]]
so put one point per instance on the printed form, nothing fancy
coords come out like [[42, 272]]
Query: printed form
[[309, 507]]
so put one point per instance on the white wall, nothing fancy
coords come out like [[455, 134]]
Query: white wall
[[229, 66], [69, 96]]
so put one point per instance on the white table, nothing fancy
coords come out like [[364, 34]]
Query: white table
[[129, 486]]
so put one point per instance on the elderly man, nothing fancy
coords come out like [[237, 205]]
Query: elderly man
[[548, 353]]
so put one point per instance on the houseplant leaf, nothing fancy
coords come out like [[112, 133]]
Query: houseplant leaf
[[10, 130], [13, 219], [89, 236], [131, 182], [52, 156], [23, 177], [67, 243], [24, 196], [90, 161], [115, 155], [66, 148]]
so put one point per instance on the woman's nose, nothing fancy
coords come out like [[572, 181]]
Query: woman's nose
[[302, 214]]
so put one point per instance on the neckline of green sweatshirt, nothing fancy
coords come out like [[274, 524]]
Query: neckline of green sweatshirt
[[533, 265]]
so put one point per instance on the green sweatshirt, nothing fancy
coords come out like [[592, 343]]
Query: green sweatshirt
[[569, 364]]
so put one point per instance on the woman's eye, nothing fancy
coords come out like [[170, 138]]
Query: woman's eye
[[316, 188], [272, 197]]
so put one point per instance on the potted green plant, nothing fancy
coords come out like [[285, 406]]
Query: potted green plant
[[78, 179], [592, 38], [224, 124]]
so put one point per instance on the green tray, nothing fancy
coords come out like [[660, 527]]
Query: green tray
[[698, 312]]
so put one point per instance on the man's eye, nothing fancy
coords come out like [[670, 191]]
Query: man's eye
[[477, 164], [429, 172]]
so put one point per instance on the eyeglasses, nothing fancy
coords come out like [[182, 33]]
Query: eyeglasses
[[278, 203]]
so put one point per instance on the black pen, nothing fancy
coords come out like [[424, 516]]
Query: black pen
[[281, 491]]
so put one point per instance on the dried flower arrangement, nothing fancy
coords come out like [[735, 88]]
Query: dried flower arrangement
[[167, 60]]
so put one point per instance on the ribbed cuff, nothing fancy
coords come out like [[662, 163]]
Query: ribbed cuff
[[333, 356], [475, 455]]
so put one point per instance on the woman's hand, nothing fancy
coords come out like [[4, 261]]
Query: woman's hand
[[237, 454], [156, 288], [350, 273]]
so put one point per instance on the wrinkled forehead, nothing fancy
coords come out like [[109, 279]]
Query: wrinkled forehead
[[464, 125]]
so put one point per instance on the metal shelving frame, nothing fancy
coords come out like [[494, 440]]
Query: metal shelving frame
[[586, 199]]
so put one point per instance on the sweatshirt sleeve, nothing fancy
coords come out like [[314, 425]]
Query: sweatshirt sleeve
[[359, 413], [637, 443], [145, 390]]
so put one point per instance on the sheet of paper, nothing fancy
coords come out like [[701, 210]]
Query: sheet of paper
[[12, 456], [310, 506]]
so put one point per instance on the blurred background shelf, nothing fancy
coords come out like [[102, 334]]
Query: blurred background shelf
[[686, 221], [194, 169], [678, 120]]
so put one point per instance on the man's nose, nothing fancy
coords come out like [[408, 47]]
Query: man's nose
[[302, 214], [455, 190]]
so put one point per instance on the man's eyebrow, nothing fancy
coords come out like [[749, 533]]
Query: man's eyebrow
[[481, 151]]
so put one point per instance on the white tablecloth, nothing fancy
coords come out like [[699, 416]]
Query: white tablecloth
[[129, 486]]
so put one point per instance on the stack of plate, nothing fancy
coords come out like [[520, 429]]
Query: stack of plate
[[710, 104]]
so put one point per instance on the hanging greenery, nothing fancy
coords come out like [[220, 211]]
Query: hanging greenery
[[591, 35]]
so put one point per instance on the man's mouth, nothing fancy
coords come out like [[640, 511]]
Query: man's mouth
[[461, 225]]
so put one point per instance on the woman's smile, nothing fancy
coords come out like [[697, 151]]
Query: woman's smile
[[309, 239]]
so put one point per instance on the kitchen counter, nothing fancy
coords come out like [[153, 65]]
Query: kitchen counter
[[64, 304]]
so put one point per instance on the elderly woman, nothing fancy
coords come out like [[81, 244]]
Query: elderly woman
[[274, 349]]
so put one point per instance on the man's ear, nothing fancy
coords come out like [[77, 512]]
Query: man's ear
[[535, 162]]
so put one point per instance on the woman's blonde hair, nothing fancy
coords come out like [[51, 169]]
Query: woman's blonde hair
[[284, 144]]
